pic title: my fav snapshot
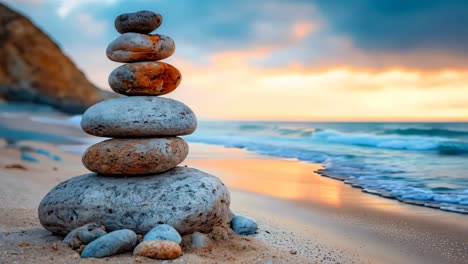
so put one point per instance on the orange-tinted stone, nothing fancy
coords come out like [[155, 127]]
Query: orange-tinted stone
[[135, 156], [158, 249], [145, 78], [131, 47]]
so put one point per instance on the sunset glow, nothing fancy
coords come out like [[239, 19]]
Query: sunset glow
[[333, 94], [288, 61]]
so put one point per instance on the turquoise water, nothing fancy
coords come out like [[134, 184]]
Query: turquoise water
[[419, 163]]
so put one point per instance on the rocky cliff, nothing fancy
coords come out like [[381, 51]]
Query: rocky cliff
[[34, 69]]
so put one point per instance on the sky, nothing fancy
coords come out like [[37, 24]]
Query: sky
[[297, 60]]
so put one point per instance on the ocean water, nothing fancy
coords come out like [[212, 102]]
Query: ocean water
[[419, 163]]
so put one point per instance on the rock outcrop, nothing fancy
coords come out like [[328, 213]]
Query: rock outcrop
[[33, 68]]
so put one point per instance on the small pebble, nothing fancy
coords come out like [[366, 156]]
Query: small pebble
[[28, 157], [139, 238], [42, 152], [23, 244], [163, 232], [79, 250], [55, 157], [15, 166], [116, 242], [198, 240], [158, 249], [243, 225], [84, 235], [140, 22]]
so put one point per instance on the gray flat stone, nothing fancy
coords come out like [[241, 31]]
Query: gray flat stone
[[163, 232], [113, 243], [84, 235], [243, 225], [198, 240], [185, 198], [139, 116]]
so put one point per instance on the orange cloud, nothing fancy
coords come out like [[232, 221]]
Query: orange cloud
[[302, 29], [231, 88]]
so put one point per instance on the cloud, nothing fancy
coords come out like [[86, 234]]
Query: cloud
[[67, 6], [302, 29], [400, 25], [35, 2], [231, 87], [320, 60], [93, 27]]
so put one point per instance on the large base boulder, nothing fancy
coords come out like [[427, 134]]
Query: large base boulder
[[185, 198]]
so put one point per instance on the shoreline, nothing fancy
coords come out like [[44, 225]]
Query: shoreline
[[318, 219], [382, 230], [323, 220], [459, 209], [76, 141]]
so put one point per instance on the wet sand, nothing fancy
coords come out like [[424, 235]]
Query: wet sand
[[328, 220]]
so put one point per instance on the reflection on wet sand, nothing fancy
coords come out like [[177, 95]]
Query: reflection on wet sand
[[274, 177], [289, 179]]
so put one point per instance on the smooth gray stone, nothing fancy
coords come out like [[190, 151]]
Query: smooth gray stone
[[243, 225], [116, 242], [163, 232], [139, 116], [198, 240], [140, 22], [185, 198], [84, 235]]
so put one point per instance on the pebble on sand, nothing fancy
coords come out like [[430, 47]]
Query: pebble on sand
[[158, 249], [84, 235], [116, 242], [139, 22], [163, 232], [198, 240], [243, 225], [28, 157]]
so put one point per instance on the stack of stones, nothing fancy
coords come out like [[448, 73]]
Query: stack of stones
[[136, 185]]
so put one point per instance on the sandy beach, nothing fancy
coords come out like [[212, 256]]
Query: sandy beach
[[303, 217], [233, 132], [328, 221]]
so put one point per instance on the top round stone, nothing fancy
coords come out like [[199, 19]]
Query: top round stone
[[143, 22]]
